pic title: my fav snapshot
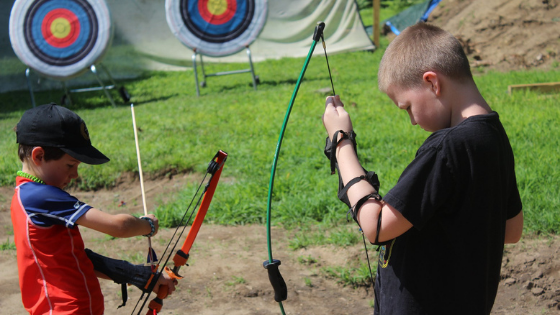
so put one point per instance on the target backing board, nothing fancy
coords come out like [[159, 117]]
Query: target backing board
[[60, 38], [216, 27]]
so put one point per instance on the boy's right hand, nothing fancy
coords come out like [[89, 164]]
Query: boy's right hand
[[336, 117]]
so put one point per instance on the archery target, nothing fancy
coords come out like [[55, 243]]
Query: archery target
[[216, 27], [60, 38]]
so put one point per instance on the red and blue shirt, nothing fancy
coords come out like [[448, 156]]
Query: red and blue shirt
[[55, 274]]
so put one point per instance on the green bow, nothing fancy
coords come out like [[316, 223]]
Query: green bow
[[278, 283]]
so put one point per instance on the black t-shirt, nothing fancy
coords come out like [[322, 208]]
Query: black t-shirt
[[458, 193]]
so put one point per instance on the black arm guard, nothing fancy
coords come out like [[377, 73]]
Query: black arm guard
[[330, 152], [122, 271], [370, 177]]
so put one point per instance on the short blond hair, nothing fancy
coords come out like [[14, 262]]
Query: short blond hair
[[420, 48]]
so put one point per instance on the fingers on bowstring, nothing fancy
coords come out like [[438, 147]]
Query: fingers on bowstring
[[337, 104], [329, 102], [337, 101]]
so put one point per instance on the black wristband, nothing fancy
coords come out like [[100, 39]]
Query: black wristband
[[151, 225]]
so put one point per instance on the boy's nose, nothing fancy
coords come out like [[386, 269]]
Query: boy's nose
[[74, 174], [412, 121]]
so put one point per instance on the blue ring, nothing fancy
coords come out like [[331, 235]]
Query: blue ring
[[214, 29], [48, 49]]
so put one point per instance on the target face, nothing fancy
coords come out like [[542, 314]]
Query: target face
[[216, 27], [60, 38]]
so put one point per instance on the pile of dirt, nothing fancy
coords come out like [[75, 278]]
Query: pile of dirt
[[530, 278], [504, 35]]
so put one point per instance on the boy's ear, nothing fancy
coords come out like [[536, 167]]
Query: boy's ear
[[433, 80], [37, 155]]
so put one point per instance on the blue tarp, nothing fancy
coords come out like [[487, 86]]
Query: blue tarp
[[410, 16]]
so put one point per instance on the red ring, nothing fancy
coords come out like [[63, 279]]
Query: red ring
[[217, 19], [74, 28]]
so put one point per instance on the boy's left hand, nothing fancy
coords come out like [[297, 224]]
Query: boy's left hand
[[165, 280], [336, 117]]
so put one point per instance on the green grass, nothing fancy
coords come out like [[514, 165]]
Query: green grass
[[7, 245], [308, 260], [324, 234], [350, 276], [182, 132], [236, 280]]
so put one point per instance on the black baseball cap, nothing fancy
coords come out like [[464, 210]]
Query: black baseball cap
[[56, 126]]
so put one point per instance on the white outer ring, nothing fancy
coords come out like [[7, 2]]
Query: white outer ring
[[17, 38]]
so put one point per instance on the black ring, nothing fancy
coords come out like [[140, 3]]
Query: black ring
[[82, 53]]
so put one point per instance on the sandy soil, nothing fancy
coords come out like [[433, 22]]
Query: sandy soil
[[226, 276]]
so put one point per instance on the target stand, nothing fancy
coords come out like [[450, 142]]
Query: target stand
[[61, 39], [122, 90], [217, 29], [251, 69], [67, 99]]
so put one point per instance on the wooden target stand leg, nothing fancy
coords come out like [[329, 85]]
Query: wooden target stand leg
[[67, 98], [256, 79], [101, 85], [122, 90]]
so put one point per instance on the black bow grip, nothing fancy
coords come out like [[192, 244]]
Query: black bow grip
[[278, 283]]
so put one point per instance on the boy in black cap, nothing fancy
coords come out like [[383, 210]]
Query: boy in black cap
[[57, 275]]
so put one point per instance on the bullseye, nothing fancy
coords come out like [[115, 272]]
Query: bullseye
[[60, 28], [216, 7], [217, 11]]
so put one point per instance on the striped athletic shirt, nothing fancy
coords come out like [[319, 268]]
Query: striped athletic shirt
[[55, 275]]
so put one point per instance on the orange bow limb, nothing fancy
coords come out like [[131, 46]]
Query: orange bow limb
[[182, 255]]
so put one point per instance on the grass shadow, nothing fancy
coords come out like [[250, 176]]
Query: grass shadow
[[21, 100], [266, 84]]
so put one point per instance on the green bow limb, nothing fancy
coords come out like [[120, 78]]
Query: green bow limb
[[278, 283]]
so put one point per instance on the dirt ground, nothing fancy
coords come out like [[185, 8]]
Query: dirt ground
[[226, 276], [504, 35]]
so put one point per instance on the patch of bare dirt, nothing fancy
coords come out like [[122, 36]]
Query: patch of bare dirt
[[504, 35], [226, 276]]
